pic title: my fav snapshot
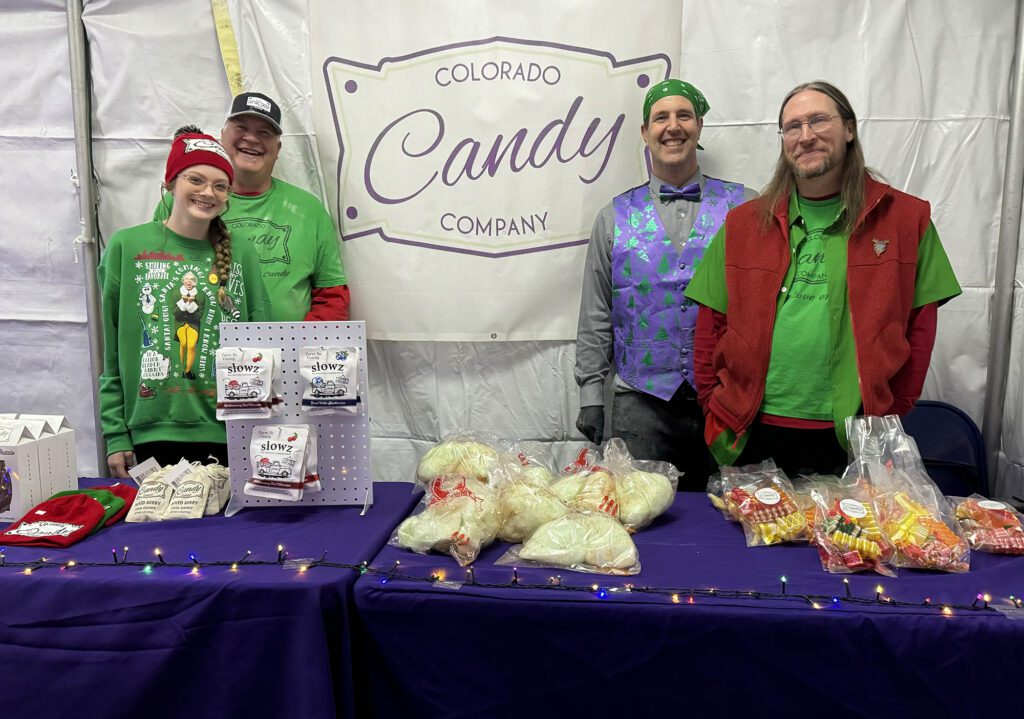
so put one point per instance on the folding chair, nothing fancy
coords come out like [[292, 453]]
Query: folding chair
[[951, 447]]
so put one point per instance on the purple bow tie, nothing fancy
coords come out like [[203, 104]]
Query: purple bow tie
[[691, 192]]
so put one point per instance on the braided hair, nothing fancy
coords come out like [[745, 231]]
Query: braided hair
[[220, 238]]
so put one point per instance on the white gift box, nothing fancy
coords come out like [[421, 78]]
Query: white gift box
[[57, 459], [19, 470]]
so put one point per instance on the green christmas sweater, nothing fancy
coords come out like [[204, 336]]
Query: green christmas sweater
[[161, 332]]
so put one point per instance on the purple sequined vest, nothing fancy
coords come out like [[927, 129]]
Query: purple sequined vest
[[652, 321]]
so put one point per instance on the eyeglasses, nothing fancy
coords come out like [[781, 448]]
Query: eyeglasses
[[197, 183], [817, 124]]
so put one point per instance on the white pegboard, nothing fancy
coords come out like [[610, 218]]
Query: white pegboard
[[343, 441]]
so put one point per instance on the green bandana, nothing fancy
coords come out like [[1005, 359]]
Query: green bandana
[[667, 88]]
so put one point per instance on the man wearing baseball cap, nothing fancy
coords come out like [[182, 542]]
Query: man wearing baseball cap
[[290, 229], [633, 315]]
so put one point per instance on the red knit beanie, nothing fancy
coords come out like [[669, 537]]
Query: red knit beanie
[[57, 522], [196, 148]]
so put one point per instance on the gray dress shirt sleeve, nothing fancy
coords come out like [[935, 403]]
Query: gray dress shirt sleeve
[[594, 331]]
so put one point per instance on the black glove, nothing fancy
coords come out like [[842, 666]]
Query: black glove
[[591, 423]]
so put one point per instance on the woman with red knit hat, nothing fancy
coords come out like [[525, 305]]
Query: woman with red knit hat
[[166, 287]]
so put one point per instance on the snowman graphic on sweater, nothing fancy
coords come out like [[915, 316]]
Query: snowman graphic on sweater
[[146, 299]]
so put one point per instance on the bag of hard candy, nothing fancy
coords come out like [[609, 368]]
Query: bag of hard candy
[[718, 485], [470, 454], [283, 462], [644, 489], [458, 516], [764, 504], [330, 380], [848, 532], [912, 510], [248, 383], [990, 526], [581, 541]]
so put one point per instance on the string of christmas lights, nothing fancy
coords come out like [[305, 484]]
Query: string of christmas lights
[[676, 595]]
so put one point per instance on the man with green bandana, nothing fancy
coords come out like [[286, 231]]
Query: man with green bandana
[[633, 316], [818, 301]]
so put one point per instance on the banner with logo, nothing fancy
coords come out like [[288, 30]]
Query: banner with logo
[[468, 147]]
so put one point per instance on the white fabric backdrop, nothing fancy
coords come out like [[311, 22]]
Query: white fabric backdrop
[[45, 347], [396, 113], [929, 79]]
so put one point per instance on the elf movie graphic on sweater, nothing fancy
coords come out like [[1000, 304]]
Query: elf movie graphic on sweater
[[178, 311]]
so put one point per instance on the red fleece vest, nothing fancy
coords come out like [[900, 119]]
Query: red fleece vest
[[880, 276]]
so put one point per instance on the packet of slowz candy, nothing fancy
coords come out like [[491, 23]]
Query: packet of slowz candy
[[245, 382], [330, 380], [283, 461]]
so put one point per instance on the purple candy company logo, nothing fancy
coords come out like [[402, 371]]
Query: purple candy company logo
[[494, 147]]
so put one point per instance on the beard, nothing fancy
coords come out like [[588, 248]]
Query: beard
[[809, 173]]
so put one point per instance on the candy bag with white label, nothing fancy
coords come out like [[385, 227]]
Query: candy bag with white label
[[245, 383], [764, 504], [847, 532], [277, 455], [717, 485], [911, 509], [152, 498], [990, 526], [189, 498], [330, 380]]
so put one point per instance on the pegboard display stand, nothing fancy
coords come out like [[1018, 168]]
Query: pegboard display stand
[[343, 440]]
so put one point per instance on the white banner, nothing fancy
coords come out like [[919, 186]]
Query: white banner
[[467, 155]]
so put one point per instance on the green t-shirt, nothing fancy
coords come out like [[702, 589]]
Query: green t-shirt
[[799, 381], [294, 238], [161, 330], [934, 282]]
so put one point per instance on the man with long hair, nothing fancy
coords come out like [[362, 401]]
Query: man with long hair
[[633, 315], [818, 300]]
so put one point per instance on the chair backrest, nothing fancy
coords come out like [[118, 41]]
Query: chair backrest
[[951, 447]]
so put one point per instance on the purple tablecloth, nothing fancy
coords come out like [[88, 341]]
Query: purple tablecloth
[[508, 651], [262, 641]]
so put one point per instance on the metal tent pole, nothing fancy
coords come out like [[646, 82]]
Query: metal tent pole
[[87, 241]]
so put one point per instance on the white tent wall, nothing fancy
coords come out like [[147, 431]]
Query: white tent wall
[[1011, 462], [930, 80], [43, 320]]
